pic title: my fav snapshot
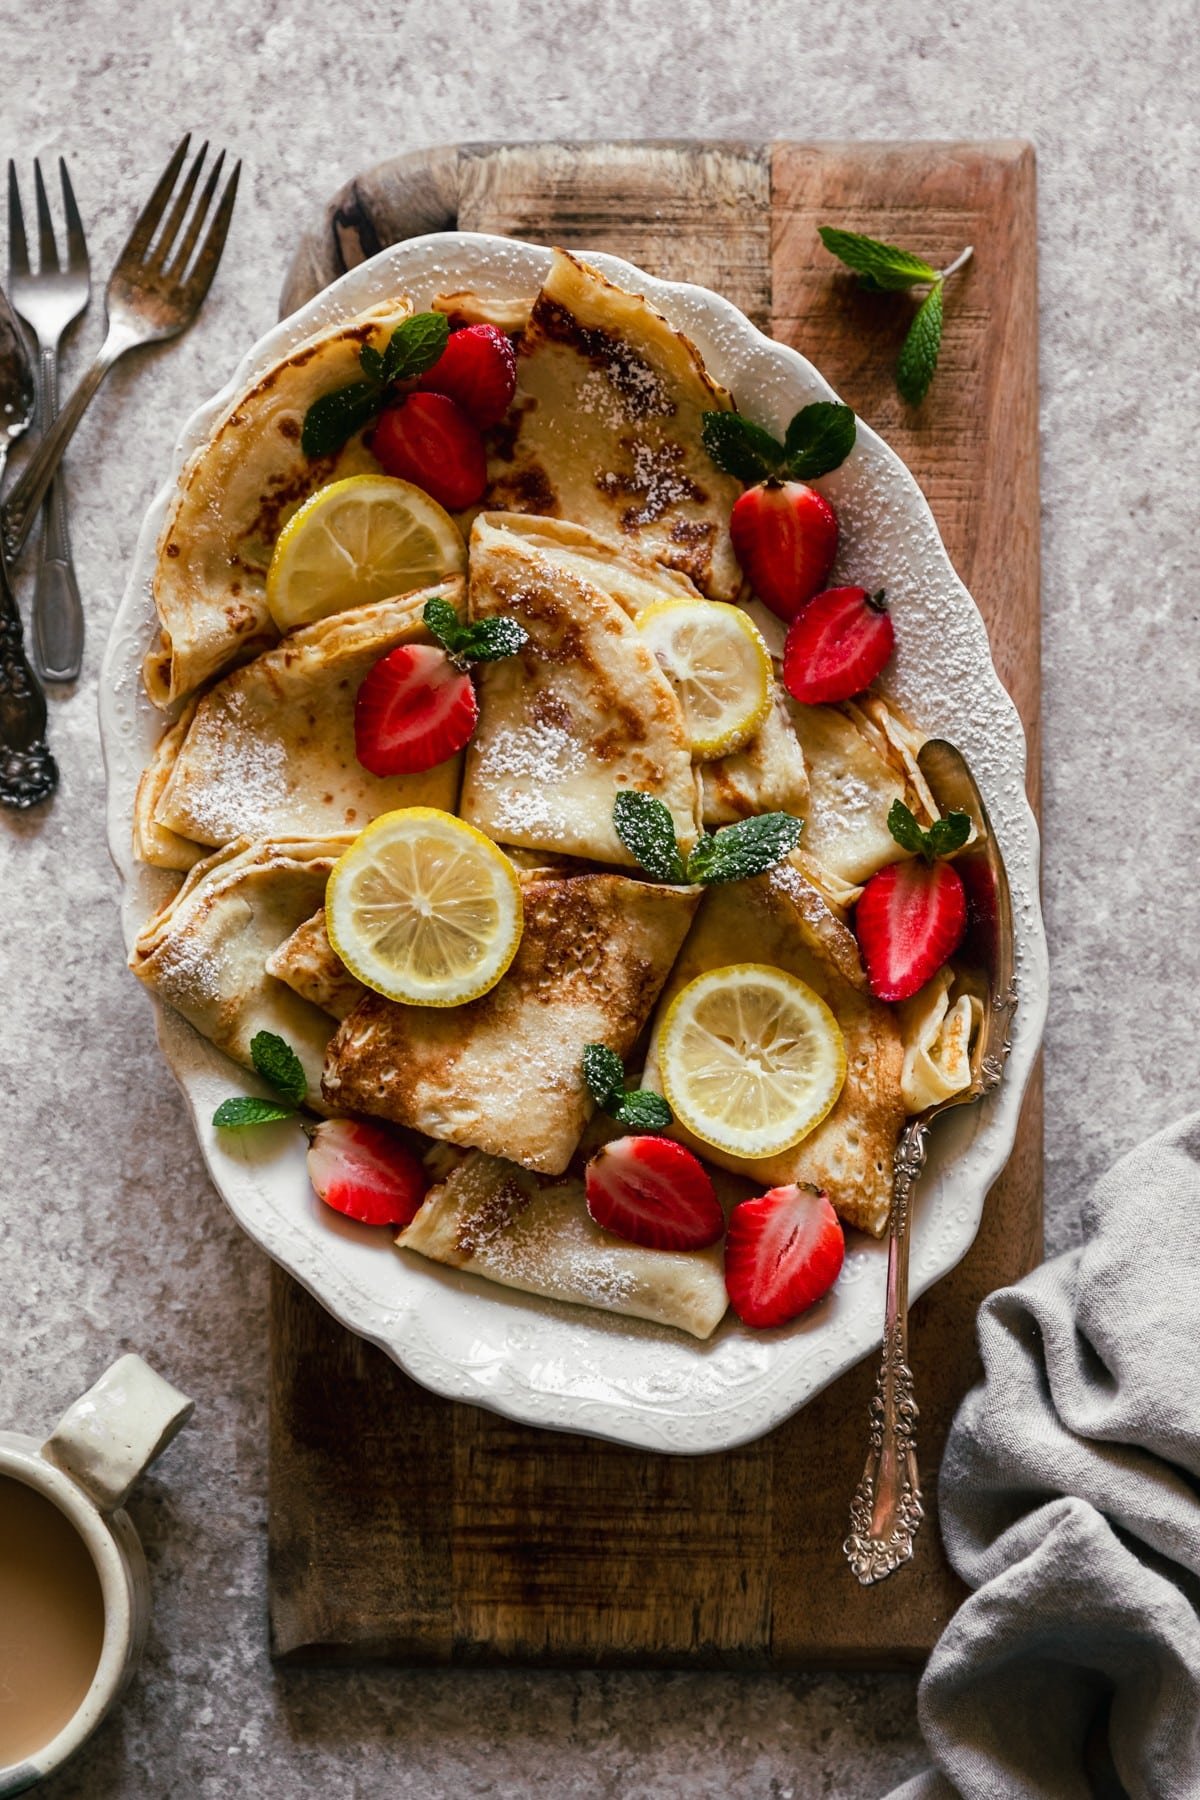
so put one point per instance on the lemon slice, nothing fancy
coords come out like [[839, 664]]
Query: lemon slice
[[751, 1059], [424, 908], [720, 666], [363, 539]]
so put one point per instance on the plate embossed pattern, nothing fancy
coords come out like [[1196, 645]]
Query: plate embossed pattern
[[537, 1361]]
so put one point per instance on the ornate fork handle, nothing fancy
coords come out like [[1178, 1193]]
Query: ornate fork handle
[[28, 772], [886, 1510]]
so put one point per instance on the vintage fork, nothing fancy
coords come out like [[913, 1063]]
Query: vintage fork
[[154, 292], [48, 302]]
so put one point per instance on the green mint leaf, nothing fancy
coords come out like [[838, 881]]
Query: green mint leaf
[[919, 351], [415, 346], [642, 1110], [372, 364], [489, 639], [647, 830], [880, 265], [747, 848], [740, 448], [278, 1063], [335, 417], [949, 834], [904, 828], [819, 438], [603, 1071], [444, 623], [248, 1109]]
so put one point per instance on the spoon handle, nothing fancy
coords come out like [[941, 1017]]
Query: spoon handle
[[28, 772], [886, 1510]]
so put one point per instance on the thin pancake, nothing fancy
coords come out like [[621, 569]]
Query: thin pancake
[[494, 1219], [781, 918], [206, 952], [153, 842], [583, 711], [235, 493], [768, 775], [270, 749], [312, 968], [606, 426], [503, 1073]]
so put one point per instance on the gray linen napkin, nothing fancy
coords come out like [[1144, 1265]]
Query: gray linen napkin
[[1070, 1501]]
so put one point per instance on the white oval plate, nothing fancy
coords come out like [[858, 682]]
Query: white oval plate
[[538, 1361]]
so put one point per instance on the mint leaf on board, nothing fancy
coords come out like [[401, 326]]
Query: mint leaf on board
[[819, 438], [942, 839], [248, 1109], [642, 1110], [485, 641], [919, 352], [881, 266], [414, 346], [647, 830], [738, 851], [740, 448], [603, 1071], [278, 1063], [335, 417]]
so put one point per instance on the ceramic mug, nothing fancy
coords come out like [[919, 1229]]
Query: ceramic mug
[[86, 1468]]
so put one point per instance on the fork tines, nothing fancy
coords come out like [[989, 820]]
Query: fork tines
[[162, 254], [48, 256]]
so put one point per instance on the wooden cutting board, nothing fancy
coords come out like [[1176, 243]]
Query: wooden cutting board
[[405, 1527]]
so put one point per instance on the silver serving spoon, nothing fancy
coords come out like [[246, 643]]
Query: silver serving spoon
[[886, 1510], [28, 772]]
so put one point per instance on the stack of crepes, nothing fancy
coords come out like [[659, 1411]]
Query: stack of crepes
[[601, 502]]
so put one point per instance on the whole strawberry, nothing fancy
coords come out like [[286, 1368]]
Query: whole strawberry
[[478, 371], [428, 440], [911, 915], [785, 534]]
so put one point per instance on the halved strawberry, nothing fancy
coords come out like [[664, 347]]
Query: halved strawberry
[[365, 1172], [837, 645], [653, 1191], [428, 440], [412, 711], [478, 371], [785, 536], [909, 920], [783, 1252]]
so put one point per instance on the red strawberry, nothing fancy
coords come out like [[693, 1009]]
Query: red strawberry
[[837, 645], [783, 1252], [413, 710], [427, 440], [365, 1172], [785, 535], [909, 920], [653, 1191], [478, 371]]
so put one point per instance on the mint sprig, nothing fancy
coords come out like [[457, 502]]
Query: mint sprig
[[819, 438], [278, 1064], [413, 347], [640, 1108], [943, 838], [887, 268], [486, 640], [734, 853]]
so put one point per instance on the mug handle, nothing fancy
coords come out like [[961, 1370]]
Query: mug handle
[[115, 1431]]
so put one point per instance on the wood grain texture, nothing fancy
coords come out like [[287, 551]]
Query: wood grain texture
[[406, 1528]]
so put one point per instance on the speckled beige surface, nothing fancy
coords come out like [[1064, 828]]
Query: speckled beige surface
[[110, 1236]]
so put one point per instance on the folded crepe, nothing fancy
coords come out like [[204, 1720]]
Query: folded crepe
[[269, 751], [504, 1073], [235, 493], [605, 428], [206, 952], [938, 1034], [852, 784], [580, 713], [767, 775], [526, 1231], [312, 968], [152, 841], [781, 918]]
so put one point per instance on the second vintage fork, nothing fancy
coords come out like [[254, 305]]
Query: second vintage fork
[[48, 301]]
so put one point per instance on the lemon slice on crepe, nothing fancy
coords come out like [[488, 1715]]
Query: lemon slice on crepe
[[367, 538], [751, 1059], [720, 668], [424, 908]]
